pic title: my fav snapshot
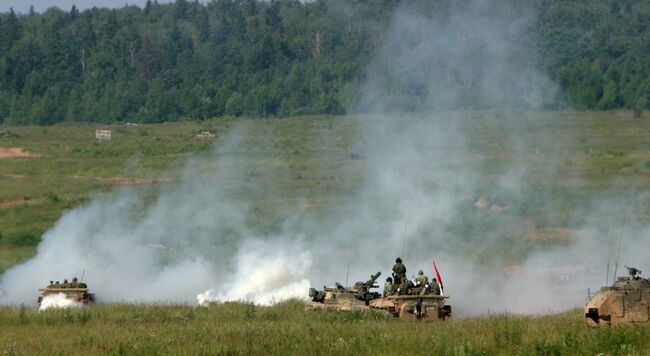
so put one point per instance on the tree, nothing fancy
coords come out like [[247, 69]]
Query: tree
[[234, 105], [11, 31], [74, 12], [146, 58], [147, 7]]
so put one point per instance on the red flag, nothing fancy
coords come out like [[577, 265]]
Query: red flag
[[438, 278]]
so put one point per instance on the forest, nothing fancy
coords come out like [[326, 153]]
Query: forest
[[193, 60]]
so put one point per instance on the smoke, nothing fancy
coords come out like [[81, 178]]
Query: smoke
[[466, 181], [168, 244], [264, 276], [58, 301]]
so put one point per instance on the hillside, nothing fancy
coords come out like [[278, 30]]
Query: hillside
[[311, 165]]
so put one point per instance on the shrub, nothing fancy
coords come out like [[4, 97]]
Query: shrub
[[53, 197], [25, 239]]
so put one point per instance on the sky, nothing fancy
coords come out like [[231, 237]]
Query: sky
[[22, 6]]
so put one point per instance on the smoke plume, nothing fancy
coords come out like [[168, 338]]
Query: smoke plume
[[456, 180], [58, 301]]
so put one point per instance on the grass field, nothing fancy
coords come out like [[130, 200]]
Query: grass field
[[306, 159], [235, 328]]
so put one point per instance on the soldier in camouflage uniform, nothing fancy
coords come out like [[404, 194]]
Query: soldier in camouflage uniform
[[399, 271], [403, 287], [65, 284], [421, 280], [435, 288], [389, 287], [74, 283]]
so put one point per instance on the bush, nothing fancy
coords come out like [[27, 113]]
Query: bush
[[25, 239], [53, 197]]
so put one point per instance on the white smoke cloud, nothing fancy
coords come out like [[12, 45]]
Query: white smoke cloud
[[165, 246], [264, 276], [58, 301]]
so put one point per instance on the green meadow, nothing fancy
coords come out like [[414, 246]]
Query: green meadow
[[235, 328], [311, 160]]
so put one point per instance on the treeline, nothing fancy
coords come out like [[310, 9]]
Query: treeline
[[276, 58]]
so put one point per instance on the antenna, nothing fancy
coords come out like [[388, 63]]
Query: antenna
[[609, 249], [347, 273], [620, 238], [83, 272], [404, 238]]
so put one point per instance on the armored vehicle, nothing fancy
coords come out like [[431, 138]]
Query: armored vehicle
[[337, 297], [626, 301], [80, 295], [417, 303]]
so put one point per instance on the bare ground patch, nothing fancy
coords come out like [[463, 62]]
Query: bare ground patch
[[18, 201], [558, 234], [12, 176], [134, 181], [15, 152]]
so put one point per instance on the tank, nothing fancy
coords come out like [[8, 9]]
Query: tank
[[80, 295], [625, 302], [418, 303], [337, 297]]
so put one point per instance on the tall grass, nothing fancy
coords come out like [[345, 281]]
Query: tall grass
[[288, 329]]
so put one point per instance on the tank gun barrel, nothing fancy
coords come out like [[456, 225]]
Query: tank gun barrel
[[634, 272], [373, 278]]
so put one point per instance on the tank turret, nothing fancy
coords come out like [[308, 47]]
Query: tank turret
[[626, 301], [77, 292], [339, 297]]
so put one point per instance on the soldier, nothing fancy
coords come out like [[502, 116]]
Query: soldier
[[51, 285], [634, 272], [75, 283], [399, 271], [57, 284], [65, 284], [421, 280], [389, 287], [435, 288], [403, 287]]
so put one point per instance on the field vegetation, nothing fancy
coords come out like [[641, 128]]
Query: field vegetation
[[288, 329], [313, 159], [313, 156]]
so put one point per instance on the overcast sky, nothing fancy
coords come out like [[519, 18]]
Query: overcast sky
[[41, 5]]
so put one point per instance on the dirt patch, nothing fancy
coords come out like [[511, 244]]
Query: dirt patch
[[21, 200], [512, 269], [12, 176], [550, 234], [15, 152], [134, 181]]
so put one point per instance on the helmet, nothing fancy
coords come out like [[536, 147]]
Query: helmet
[[421, 272], [74, 279], [398, 260], [390, 280]]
